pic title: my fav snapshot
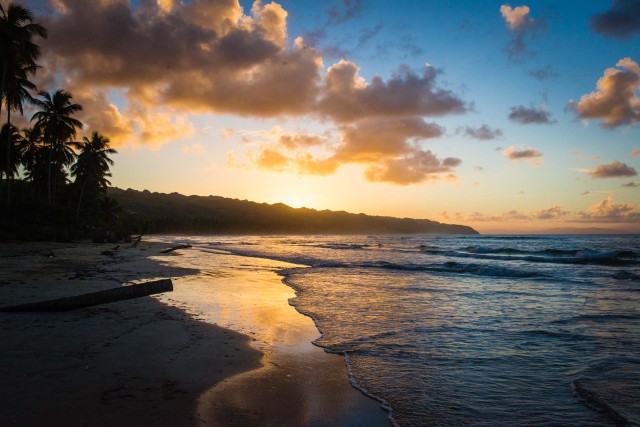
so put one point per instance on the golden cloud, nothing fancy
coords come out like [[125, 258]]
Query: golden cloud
[[533, 155], [389, 149], [615, 101]]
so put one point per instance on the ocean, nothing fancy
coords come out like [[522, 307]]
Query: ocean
[[473, 330]]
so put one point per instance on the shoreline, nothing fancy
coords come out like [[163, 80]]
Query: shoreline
[[298, 383], [163, 360]]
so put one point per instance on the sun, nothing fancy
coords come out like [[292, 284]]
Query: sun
[[297, 201]]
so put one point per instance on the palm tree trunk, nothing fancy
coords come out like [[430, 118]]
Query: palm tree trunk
[[49, 173], [81, 194], [9, 176], [2, 84]]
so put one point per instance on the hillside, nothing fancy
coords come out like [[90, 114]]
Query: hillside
[[176, 213]]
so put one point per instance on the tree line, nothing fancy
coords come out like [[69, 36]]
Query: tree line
[[50, 171]]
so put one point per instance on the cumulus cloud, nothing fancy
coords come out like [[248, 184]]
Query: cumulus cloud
[[347, 96], [482, 133], [525, 116], [608, 211], [518, 153], [605, 211], [615, 102], [520, 24], [615, 169], [388, 148], [517, 18], [554, 212], [171, 58], [631, 184], [417, 166], [635, 152], [621, 21], [200, 56]]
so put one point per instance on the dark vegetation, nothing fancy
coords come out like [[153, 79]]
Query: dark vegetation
[[176, 213], [53, 187]]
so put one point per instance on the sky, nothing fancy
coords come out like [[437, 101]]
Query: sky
[[508, 117]]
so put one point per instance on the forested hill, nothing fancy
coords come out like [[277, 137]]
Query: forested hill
[[176, 213]]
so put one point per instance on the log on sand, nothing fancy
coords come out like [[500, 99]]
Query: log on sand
[[166, 251], [95, 298]]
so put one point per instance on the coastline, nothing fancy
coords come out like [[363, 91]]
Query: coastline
[[216, 351]]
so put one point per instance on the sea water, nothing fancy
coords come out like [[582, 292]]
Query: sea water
[[473, 330]]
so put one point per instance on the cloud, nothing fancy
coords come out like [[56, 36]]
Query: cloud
[[544, 73], [134, 125], [417, 166], [615, 102], [199, 55], [635, 152], [350, 9], [388, 148], [621, 21], [482, 133], [100, 115], [346, 96], [520, 24], [608, 211], [368, 33], [273, 160], [605, 211], [518, 18], [525, 116], [616, 169], [631, 184], [554, 212], [172, 58], [517, 153], [368, 140]]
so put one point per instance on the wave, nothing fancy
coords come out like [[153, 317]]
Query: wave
[[341, 246], [613, 388], [626, 275], [598, 318], [549, 255], [455, 267]]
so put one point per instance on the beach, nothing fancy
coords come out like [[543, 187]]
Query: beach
[[224, 348]]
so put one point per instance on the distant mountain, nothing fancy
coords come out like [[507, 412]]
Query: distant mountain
[[176, 213]]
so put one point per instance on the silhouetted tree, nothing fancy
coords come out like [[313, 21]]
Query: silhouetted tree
[[34, 158], [9, 165], [18, 54], [58, 128], [110, 210], [91, 168]]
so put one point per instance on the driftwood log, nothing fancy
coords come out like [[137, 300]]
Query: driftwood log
[[95, 298], [166, 251], [134, 241]]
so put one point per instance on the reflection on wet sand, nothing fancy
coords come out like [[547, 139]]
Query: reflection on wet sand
[[298, 384]]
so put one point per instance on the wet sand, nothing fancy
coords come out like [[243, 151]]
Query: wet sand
[[224, 348], [298, 384]]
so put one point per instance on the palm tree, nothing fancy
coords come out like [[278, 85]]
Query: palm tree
[[9, 166], [34, 155], [110, 210], [18, 54], [91, 169], [58, 128]]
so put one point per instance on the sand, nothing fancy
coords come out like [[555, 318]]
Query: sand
[[224, 348]]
